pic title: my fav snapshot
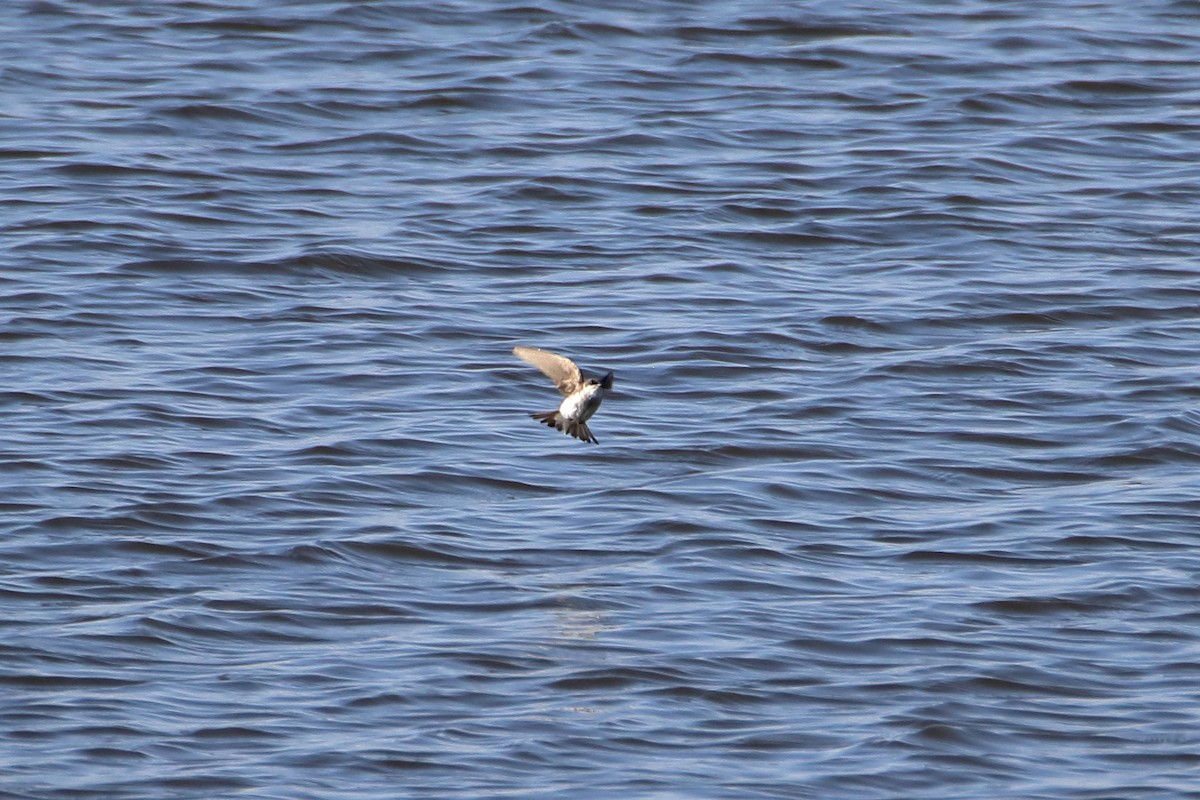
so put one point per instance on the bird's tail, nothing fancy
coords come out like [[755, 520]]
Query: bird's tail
[[570, 427]]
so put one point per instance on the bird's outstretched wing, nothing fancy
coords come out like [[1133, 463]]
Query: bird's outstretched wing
[[557, 368]]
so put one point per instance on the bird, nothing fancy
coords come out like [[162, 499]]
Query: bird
[[581, 397]]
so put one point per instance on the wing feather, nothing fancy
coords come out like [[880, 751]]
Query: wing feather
[[559, 369]]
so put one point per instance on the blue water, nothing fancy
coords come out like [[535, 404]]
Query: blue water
[[896, 495]]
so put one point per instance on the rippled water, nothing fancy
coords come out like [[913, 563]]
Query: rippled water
[[896, 497]]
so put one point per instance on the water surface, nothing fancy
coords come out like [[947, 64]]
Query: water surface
[[896, 495]]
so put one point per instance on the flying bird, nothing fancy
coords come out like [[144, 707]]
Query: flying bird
[[581, 397]]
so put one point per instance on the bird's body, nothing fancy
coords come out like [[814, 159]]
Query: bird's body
[[581, 397]]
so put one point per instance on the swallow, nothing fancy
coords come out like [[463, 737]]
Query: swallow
[[581, 397]]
